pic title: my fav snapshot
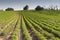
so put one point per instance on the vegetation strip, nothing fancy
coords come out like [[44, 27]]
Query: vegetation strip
[[14, 35], [26, 35]]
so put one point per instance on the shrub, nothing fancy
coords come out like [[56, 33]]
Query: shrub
[[9, 9], [39, 8]]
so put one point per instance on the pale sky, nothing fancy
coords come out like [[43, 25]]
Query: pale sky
[[19, 4]]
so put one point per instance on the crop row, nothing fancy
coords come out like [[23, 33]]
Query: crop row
[[14, 35], [47, 25], [26, 35], [7, 24], [35, 32], [41, 30], [48, 28], [9, 27]]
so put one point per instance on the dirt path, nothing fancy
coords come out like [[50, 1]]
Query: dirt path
[[21, 34], [18, 38]]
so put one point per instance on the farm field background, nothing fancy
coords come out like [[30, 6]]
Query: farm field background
[[30, 25]]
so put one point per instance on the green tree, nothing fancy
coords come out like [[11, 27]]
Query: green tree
[[26, 7]]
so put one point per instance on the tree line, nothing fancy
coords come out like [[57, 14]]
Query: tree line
[[26, 8], [38, 8]]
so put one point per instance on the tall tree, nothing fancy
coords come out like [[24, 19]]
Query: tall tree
[[26, 7]]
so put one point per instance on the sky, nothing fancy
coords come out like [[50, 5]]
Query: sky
[[19, 4]]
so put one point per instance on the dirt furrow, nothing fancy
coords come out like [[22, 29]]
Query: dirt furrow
[[21, 34]]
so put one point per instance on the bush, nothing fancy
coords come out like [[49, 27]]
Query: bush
[[39, 8], [9, 9]]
